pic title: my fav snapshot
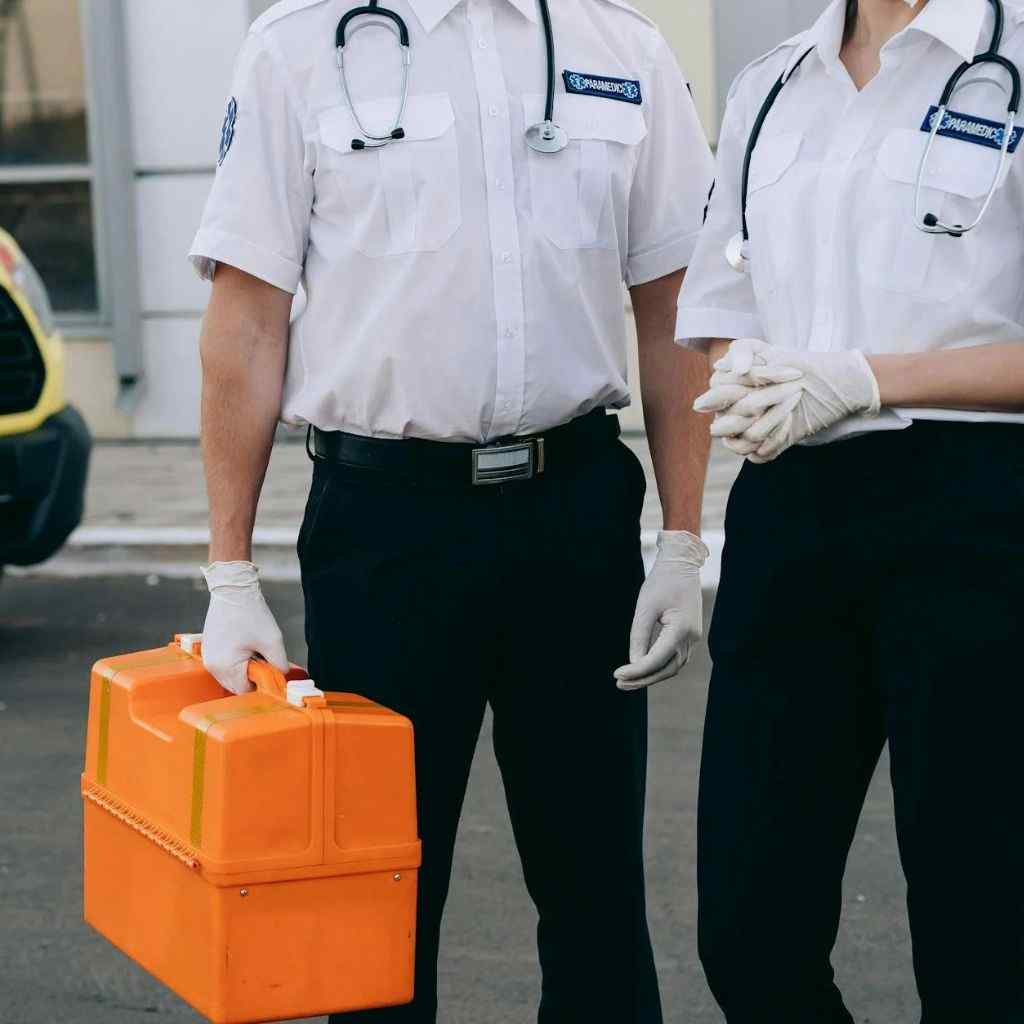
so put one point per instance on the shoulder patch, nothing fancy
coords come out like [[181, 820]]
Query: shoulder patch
[[786, 45], [227, 132], [282, 10]]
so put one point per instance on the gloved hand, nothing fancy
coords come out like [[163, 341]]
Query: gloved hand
[[669, 616], [239, 625], [769, 398]]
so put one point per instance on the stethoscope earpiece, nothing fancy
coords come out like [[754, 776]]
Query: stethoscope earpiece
[[546, 137], [401, 30]]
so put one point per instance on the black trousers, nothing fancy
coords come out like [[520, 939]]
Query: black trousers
[[872, 591], [437, 601]]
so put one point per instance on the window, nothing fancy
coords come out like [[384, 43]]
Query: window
[[46, 171]]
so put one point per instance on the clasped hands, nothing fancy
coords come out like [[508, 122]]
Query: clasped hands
[[766, 398]]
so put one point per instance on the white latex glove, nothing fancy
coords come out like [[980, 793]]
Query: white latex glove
[[669, 616], [769, 398], [239, 625]]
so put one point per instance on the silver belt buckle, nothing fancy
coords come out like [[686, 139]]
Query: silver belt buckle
[[500, 464]]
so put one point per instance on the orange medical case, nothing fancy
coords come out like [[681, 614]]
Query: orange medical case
[[257, 854]]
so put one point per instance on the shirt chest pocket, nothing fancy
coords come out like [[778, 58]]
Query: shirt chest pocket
[[402, 198], [895, 254], [772, 203], [579, 197]]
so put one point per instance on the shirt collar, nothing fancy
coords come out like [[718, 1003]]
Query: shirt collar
[[956, 23], [825, 36], [432, 12]]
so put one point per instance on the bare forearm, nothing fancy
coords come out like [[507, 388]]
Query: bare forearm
[[671, 378], [244, 351], [718, 349], [989, 377]]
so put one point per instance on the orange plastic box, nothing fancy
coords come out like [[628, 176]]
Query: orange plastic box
[[257, 854]]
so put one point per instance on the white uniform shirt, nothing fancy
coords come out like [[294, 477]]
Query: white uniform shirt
[[836, 260], [458, 286]]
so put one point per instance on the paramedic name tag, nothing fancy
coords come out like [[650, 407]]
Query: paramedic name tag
[[970, 128], [626, 90]]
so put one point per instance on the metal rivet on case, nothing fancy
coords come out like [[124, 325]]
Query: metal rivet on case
[[244, 892], [398, 878]]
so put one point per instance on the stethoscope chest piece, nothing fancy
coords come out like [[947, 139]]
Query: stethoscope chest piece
[[547, 137], [737, 253]]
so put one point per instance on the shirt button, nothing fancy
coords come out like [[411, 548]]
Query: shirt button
[[482, 44], [495, 111], [506, 257], [510, 332]]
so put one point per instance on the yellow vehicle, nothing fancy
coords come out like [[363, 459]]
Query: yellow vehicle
[[44, 443]]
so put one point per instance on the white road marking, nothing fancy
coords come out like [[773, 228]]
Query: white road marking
[[109, 551]]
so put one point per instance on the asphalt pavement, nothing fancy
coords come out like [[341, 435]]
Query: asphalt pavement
[[54, 969]]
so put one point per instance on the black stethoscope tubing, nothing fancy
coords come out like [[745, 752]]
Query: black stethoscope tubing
[[549, 44], [990, 56], [755, 134], [374, 8]]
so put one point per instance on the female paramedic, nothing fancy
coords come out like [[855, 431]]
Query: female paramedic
[[873, 579]]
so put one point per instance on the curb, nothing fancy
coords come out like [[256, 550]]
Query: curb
[[173, 552]]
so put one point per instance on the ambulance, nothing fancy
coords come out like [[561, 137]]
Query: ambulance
[[44, 442]]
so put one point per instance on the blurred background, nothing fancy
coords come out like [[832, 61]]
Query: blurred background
[[110, 116]]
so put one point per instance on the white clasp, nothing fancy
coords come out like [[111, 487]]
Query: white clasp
[[299, 689]]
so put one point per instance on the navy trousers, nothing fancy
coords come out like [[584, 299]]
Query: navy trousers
[[437, 601], [872, 592]]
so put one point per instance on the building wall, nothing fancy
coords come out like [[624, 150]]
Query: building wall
[[174, 161], [744, 31], [688, 26], [175, 157]]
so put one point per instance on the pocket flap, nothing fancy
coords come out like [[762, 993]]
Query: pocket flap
[[954, 166], [426, 117], [588, 117], [773, 156]]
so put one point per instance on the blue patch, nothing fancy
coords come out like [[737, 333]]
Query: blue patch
[[626, 90], [969, 128], [227, 133]]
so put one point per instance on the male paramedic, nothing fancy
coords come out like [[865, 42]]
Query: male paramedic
[[472, 532]]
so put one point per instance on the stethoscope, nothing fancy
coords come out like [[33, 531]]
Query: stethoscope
[[546, 137], [737, 252]]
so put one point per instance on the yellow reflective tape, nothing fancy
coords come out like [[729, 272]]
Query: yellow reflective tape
[[362, 705], [118, 665], [198, 778], [103, 743], [199, 757], [114, 668]]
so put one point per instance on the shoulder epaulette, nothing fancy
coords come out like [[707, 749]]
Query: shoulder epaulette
[[787, 44], [282, 10], [623, 5]]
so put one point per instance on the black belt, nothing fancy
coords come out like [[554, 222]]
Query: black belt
[[503, 461]]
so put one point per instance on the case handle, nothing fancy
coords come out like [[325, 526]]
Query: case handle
[[272, 681]]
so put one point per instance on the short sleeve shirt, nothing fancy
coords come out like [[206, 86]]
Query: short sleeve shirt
[[456, 285]]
